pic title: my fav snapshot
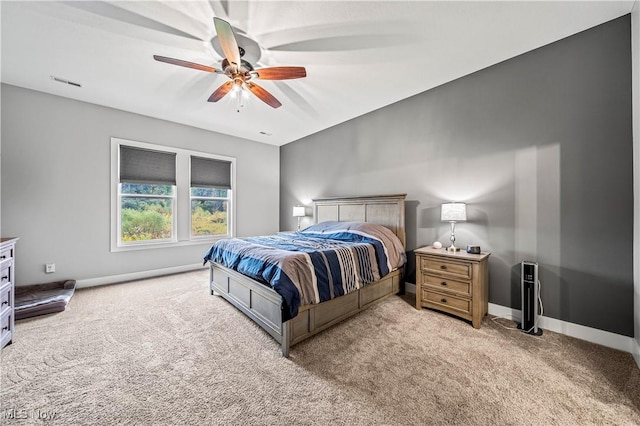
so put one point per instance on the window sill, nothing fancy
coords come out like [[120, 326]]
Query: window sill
[[170, 244]]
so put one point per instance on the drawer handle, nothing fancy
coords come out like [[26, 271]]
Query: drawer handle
[[6, 277], [6, 302], [3, 257], [443, 300], [443, 283], [5, 328], [443, 266]]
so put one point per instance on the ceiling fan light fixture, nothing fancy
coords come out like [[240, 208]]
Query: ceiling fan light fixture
[[240, 72], [240, 94]]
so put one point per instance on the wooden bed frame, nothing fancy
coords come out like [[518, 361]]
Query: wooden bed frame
[[264, 306]]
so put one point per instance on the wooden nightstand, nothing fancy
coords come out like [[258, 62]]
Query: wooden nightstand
[[453, 282]]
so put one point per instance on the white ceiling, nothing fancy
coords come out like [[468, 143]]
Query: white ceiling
[[360, 56]]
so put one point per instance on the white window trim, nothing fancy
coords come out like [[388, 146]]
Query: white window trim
[[182, 203]]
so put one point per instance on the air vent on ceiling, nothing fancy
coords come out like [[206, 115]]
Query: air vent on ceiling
[[62, 80], [265, 133]]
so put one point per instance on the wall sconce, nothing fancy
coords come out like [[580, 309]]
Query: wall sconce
[[299, 211], [453, 212]]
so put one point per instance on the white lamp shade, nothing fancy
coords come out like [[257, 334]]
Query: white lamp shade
[[454, 212], [298, 211]]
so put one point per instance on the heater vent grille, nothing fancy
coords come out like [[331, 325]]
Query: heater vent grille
[[62, 80]]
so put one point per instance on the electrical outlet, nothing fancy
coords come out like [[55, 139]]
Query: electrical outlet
[[49, 268]]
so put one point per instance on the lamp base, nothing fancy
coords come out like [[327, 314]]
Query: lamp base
[[453, 249]]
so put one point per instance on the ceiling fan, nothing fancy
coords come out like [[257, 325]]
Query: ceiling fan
[[238, 70]]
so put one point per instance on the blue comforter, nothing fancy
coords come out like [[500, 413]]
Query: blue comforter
[[320, 263]]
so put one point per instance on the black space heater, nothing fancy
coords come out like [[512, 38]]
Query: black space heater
[[530, 295]]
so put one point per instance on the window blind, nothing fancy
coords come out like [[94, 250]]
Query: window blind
[[139, 165], [210, 173]]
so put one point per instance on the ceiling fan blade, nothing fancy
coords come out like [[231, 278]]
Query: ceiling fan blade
[[221, 91], [264, 96], [185, 63], [227, 41], [280, 73]]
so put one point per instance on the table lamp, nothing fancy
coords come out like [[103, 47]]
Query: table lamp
[[299, 211], [453, 212]]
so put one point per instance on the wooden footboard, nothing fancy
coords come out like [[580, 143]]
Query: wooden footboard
[[264, 306]]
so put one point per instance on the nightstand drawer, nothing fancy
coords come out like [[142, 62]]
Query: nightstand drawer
[[5, 296], [445, 267], [6, 253], [446, 284], [5, 273], [446, 301], [5, 325]]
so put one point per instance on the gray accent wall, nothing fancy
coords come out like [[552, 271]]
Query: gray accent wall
[[56, 185], [635, 52], [540, 148]]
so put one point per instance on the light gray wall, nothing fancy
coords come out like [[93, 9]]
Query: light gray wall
[[56, 185], [540, 147]]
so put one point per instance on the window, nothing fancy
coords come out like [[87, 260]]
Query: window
[[146, 194], [163, 197], [210, 197]]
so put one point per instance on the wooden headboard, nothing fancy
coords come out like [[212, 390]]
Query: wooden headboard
[[385, 210]]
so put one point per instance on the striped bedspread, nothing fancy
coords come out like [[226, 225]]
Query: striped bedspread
[[320, 263]]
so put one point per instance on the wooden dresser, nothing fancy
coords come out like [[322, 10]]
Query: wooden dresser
[[456, 283], [7, 280]]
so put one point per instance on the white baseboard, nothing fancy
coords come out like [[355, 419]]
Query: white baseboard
[[604, 338], [601, 337], [113, 279]]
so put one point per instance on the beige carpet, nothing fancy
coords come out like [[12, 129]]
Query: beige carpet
[[165, 352]]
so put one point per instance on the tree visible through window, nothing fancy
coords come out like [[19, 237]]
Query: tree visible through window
[[209, 211], [146, 212]]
